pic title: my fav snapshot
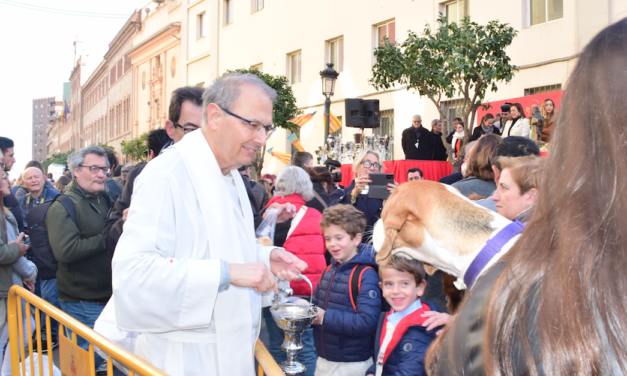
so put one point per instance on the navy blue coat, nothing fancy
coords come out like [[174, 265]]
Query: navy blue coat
[[408, 356], [371, 207], [346, 335]]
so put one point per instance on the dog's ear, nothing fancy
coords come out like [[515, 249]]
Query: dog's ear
[[386, 249]]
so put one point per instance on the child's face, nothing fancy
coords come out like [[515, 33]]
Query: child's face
[[340, 244], [399, 288]]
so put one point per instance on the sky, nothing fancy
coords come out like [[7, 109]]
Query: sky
[[37, 41]]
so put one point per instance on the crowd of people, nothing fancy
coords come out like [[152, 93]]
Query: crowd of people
[[166, 251]]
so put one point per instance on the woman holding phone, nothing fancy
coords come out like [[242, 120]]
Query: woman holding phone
[[367, 162]]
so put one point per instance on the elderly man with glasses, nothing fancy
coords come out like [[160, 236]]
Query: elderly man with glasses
[[417, 141], [188, 274], [84, 274]]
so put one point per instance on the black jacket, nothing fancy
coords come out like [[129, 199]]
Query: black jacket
[[115, 225], [439, 150], [478, 132], [314, 202], [425, 148]]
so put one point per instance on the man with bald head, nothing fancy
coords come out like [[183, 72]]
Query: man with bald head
[[35, 183], [417, 141]]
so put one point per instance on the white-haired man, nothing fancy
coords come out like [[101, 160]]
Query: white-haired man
[[187, 273]]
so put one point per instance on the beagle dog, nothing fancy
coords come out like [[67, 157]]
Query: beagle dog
[[435, 224]]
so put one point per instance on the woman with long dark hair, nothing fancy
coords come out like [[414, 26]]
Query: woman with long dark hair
[[556, 303], [518, 125]]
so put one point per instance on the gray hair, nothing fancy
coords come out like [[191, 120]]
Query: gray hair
[[225, 91], [435, 122], [362, 155], [77, 158], [416, 116], [293, 180]]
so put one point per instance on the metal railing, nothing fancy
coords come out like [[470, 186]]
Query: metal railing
[[75, 361]]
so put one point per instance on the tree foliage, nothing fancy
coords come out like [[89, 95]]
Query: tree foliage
[[58, 158], [136, 149], [465, 60], [284, 109]]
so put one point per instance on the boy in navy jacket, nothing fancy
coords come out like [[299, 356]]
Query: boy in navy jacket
[[346, 324], [402, 342]]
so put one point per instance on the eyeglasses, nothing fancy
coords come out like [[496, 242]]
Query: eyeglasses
[[367, 164], [185, 130], [256, 126], [95, 169]]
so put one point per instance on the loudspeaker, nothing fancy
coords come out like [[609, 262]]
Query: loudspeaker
[[353, 113], [370, 112]]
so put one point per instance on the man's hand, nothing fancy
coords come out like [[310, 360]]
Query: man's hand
[[285, 265], [255, 275], [435, 319], [285, 212], [319, 316], [30, 285], [125, 214], [19, 241]]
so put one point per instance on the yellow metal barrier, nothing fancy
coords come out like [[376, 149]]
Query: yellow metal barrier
[[74, 360]]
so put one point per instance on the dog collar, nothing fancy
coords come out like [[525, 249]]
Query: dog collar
[[492, 247]]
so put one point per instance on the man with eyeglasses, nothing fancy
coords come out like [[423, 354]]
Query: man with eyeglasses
[[7, 159], [84, 274], [188, 274], [417, 141], [185, 113]]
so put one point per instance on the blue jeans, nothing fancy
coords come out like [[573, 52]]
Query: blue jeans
[[306, 356], [49, 293], [87, 312]]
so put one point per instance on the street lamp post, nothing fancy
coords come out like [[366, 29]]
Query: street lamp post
[[328, 75]]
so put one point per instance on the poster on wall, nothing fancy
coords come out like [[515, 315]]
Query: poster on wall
[[526, 103]]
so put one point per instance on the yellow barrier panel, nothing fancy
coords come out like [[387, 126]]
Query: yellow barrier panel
[[75, 361]]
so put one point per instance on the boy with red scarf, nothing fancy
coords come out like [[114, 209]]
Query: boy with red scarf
[[401, 342]]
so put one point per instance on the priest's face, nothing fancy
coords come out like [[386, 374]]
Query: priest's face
[[238, 140]]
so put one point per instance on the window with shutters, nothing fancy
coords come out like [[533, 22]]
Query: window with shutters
[[543, 89], [112, 77], [228, 11], [200, 25], [455, 11], [256, 5], [542, 11], [334, 53], [387, 29], [294, 67]]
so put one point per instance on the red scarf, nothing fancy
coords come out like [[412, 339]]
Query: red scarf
[[414, 318]]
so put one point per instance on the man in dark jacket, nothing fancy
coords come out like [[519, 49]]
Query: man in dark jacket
[[7, 159], [439, 150], [112, 186], [84, 280], [417, 141], [113, 227]]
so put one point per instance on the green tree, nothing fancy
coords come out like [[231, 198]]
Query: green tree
[[58, 158], [284, 109], [136, 149], [462, 60], [105, 145]]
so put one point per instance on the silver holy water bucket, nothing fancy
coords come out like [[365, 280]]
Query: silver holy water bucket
[[293, 319]]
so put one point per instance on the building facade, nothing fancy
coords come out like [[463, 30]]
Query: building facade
[[44, 112], [297, 39], [155, 58], [107, 92]]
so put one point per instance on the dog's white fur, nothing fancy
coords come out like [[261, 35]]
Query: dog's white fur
[[433, 252]]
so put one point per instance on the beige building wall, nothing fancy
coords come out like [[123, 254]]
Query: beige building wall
[[155, 57], [546, 53]]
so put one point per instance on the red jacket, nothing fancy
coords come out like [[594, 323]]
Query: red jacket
[[306, 242]]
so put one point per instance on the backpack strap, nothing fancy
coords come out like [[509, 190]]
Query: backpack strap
[[323, 273], [68, 205], [355, 282], [317, 196], [296, 220]]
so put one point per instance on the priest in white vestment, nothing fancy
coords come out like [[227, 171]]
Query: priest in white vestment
[[188, 275]]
